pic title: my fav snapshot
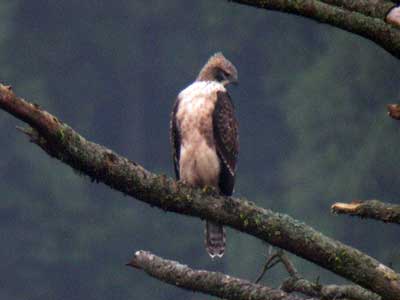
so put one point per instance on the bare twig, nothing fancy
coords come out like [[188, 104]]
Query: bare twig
[[289, 266], [278, 257], [296, 283], [327, 292], [103, 165], [373, 209], [212, 283], [272, 261]]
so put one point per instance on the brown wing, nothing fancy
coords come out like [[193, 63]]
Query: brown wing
[[226, 140], [175, 139]]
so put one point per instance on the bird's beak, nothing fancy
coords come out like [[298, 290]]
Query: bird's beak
[[234, 81]]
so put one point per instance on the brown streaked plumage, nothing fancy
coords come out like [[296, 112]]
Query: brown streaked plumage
[[219, 69], [204, 137]]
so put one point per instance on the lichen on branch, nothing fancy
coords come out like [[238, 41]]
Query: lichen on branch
[[372, 8], [119, 173], [372, 209], [212, 283]]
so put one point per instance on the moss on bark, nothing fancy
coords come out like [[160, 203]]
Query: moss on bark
[[104, 165]]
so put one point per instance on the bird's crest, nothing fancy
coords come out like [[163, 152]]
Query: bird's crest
[[215, 64]]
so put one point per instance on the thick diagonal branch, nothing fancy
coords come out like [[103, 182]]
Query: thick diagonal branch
[[103, 165], [372, 209], [350, 15], [212, 283]]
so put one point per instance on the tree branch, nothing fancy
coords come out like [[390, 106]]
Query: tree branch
[[373, 209], [212, 283], [372, 8], [272, 261], [296, 283], [357, 20], [331, 292], [103, 165]]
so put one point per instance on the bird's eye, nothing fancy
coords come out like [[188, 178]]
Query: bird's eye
[[221, 76]]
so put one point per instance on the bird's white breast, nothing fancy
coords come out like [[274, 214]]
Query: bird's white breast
[[199, 162]]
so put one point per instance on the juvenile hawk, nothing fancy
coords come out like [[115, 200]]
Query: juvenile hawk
[[204, 137]]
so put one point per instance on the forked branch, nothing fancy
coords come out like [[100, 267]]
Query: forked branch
[[328, 292], [103, 165], [296, 283], [212, 283]]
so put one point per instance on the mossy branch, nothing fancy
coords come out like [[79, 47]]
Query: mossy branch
[[329, 292], [372, 209], [372, 8], [119, 173], [296, 283], [212, 283], [362, 17]]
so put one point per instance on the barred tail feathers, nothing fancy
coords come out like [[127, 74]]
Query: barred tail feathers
[[215, 239]]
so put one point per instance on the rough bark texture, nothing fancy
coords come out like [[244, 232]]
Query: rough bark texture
[[103, 165], [356, 20], [331, 292], [373, 8], [296, 283], [212, 283], [372, 209]]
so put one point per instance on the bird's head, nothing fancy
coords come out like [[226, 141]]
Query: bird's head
[[218, 68]]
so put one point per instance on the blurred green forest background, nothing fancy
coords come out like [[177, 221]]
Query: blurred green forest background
[[314, 130]]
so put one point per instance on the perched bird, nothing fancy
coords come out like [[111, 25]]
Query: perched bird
[[204, 137]]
